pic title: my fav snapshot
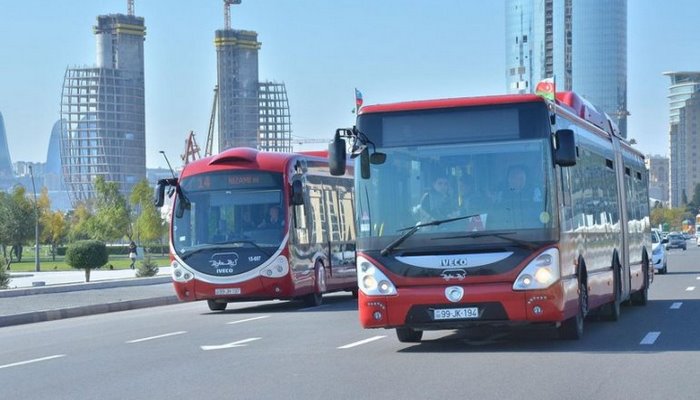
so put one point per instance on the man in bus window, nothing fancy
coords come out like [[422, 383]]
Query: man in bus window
[[438, 202], [520, 202], [273, 218]]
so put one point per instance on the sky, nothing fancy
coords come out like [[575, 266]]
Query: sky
[[391, 50]]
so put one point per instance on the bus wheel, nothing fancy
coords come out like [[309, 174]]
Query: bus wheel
[[572, 328], [316, 298], [216, 306], [612, 310], [641, 297], [408, 335]]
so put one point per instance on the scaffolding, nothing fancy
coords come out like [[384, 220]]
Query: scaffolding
[[275, 133]]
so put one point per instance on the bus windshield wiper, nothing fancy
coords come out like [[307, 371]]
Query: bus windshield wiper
[[219, 245], [239, 241], [413, 229], [500, 235]]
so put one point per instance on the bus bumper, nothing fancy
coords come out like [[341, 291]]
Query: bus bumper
[[496, 304], [254, 289]]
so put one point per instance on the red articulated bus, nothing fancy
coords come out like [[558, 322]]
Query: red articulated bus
[[254, 225], [502, 210]]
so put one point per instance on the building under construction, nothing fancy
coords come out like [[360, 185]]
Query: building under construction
[[275, 125], [103, 107], [250, 113]]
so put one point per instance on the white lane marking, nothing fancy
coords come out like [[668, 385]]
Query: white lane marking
[[156, 337], [676, 306], [361, 342], [690, 288], [650, 338], [240, 343], [32, 361], [246, 320]]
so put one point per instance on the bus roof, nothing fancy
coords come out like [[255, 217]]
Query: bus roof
[[450, 103], [246, 158]]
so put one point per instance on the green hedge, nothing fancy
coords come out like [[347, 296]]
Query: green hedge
[[121, 250]]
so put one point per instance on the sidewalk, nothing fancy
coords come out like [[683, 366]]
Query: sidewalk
[[45, 296]]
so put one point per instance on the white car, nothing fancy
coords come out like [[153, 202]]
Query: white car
[[658, 252]]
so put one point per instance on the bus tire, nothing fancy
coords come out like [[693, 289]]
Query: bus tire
[[315, 298], [216, 305], [572, 328], [612, 309], [641, 297], [409, 335]]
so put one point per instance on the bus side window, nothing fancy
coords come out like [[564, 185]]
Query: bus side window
[[300, 224]]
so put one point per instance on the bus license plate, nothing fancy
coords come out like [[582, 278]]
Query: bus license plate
[[226, 291], [456, 313]]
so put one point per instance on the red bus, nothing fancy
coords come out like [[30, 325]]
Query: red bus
[[502, 210], [254, 225]]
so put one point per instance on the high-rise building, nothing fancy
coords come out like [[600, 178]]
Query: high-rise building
[[237, 77], [684, 133], [583, 44], [5, 161], [103, 107], [275, 125], [658, 167]]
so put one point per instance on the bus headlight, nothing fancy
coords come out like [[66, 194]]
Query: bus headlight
[[278, 268], [371, 280], [180, 273], [540, 273]]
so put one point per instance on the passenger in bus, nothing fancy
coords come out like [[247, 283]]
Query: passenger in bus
[[521, 203], [247, 222], [273, 218], [438, 202]]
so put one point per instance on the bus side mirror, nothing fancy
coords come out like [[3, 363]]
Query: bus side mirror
[[377, 158], [364, 163], [336, 156], [297, 193], [565, 151], [159, 195]]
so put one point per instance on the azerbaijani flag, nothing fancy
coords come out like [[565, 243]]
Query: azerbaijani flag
[[358, 98], [546, 88]]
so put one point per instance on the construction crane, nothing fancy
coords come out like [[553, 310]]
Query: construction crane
[[130, 7], [191, 150], [227, 12], [209, 148]]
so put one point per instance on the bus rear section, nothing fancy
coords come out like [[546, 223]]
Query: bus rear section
[[503, 210], [233, 235]]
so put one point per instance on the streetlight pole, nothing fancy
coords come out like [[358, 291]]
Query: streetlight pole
[[37, 264]]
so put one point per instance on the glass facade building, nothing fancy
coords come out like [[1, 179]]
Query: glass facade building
[[583, 44], [684, 135], [5, 161]]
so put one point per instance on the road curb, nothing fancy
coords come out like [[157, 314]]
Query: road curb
[[107, 284], [51, 315]]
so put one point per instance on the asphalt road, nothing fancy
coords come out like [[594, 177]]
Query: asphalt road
[[280, 350]]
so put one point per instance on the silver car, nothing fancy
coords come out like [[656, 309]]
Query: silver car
[[658, 252]]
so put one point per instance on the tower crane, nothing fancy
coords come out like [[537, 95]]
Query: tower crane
[[209, 147], [130, 7], [227, 12]]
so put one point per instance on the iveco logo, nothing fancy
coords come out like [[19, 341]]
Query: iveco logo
[[458, 274], [453, 262], [224, 262]]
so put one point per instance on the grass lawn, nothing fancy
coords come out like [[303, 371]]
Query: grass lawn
[[117, 262]]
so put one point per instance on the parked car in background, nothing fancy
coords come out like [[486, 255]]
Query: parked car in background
[[658, 252], [676, 241]]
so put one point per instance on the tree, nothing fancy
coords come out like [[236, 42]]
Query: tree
[[55, 230], [149, 227], [147, 268], [87, 255], [111, 221], [16, 222], [80, 220]]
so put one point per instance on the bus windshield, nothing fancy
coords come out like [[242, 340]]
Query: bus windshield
[[230, 209], [502, 188]]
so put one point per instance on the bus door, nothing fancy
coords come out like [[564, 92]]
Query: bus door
[[623, 252]]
